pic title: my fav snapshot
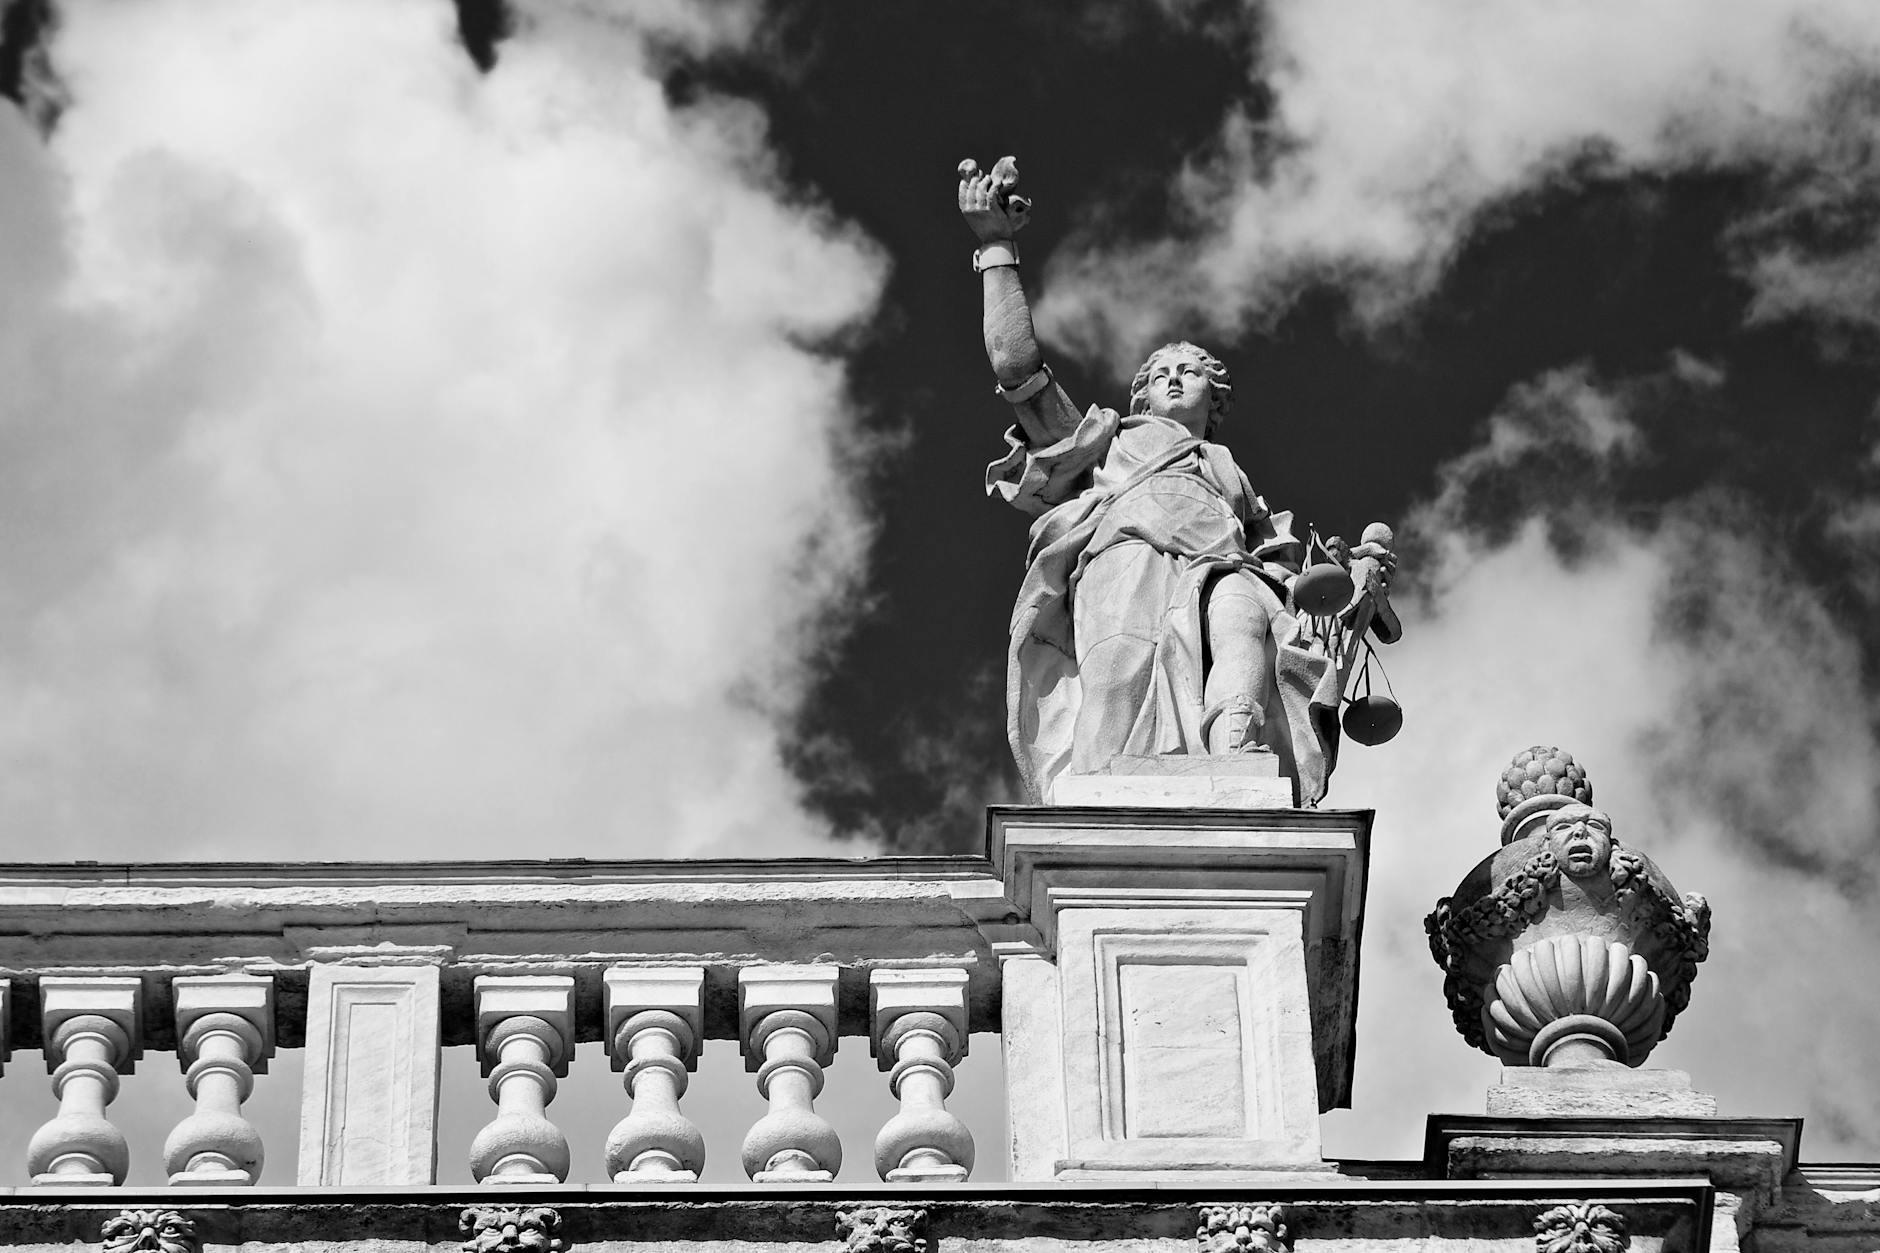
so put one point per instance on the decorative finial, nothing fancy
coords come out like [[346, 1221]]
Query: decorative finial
[[1565, 948], [1539, 779]]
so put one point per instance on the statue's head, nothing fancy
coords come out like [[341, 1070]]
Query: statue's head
[[1581, 837], [1169, 357]]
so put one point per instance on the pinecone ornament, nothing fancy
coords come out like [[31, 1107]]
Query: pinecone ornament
[[1541, 771]]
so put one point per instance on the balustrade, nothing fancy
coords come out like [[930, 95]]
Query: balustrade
[[788, 1018], [655, 1025], [1073, 940], [92, 1030], [225, 1033], [919, 1035], [525, 1037]]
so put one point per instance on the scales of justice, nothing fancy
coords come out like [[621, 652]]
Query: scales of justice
[[1174, 641]]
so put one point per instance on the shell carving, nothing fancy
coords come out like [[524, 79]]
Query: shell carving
[[1572, 988]]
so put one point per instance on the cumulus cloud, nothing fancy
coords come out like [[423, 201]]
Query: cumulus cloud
[[401, 462], [1393, 127], [1712, 694]]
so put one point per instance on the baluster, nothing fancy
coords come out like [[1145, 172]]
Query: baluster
[[655, 1024], [225, 1036], [787, 1025], [525, 1037], [92, 1035], [918, 1021]]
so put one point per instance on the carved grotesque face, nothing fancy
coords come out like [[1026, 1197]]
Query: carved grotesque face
[[505, 1230], [1581, 837], [149, 1231]]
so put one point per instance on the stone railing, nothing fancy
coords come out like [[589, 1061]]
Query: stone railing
[[1175, 991]]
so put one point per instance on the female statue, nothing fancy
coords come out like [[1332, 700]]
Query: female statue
[[1153, 618]]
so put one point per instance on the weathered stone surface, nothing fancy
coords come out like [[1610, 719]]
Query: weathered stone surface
[[1601, 1088], [1187, 1042], [1581, 1227], [511, 1229], [1749, 1155], [148, 1231], [1353, 1216], [883, 1229], [369, 1104], [157, 922], [1174, 780], [1033, 1042], [1243, 1229], [1309, 864]]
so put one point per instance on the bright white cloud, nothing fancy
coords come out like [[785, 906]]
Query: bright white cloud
[[402, 462], [1395, 125]]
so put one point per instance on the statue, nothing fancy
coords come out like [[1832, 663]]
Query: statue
[[1160, 612], [1565, 947]]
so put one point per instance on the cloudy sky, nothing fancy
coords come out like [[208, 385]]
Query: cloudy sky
[[438, 431]]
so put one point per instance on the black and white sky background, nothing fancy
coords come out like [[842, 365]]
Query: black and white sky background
[[570, 444]]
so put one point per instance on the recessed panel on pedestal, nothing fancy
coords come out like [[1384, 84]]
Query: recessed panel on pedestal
[[1187, 1041], [1180, 1056]]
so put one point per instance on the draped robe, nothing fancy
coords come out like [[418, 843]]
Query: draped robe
[[1168, 513]]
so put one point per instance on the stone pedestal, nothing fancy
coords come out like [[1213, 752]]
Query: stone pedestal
[[1746, 1159], [368, 1110], [1185, 1011], [1250, 780], [1599, 1089]]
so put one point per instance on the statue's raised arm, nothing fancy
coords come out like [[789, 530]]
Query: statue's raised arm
[[995, 215], [1164, 614]]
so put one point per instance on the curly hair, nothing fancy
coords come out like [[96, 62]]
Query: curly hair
[[1221, 391]]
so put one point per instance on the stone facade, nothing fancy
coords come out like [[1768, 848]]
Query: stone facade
[[1174, 990]]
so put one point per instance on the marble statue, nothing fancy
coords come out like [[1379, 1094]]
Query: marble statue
[[1565, 947], [1156, 615]]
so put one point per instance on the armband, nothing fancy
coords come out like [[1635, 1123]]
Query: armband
[[993, 255], [1040, 379]]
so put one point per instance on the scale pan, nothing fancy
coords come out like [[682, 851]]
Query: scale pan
[[1323, 589], [1373, 719]]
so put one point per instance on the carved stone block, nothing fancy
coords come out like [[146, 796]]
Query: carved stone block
[[369, 1101], [883, 1229], [149, 1231], [1187, 1041], [1243, 1229], [1580, 1227], [511, 1229]]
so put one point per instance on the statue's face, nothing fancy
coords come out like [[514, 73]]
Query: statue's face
[[1581, 837], [1179, 388]]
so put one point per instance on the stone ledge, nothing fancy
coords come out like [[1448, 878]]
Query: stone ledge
[[577, 918], [1744, 1154], [1668, 1215], [1602, 1089]]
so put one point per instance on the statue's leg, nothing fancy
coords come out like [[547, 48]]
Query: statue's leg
[[1236, 620], [1118, 605]]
